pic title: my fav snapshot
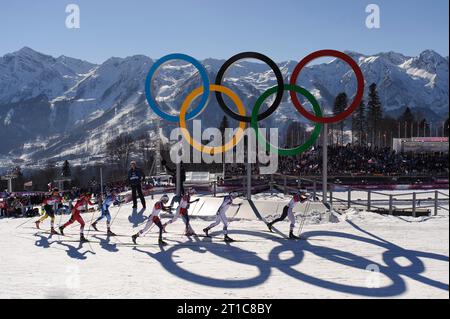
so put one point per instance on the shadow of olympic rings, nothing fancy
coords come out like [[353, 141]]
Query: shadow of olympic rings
[[229, 252], [392, 270]]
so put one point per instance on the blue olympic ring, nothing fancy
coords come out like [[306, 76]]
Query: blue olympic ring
[[203, 74]]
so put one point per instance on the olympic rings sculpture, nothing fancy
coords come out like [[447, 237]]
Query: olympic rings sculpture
[[255, 117]]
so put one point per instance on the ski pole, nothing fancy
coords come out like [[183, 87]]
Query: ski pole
[[195, 206], [117, 213], [153, 225], [89, 229], [199, 208], [307, 209], [237, 211], [302, 222], [60, 220], [30, 219]]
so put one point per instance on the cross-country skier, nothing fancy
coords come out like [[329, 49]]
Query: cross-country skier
[[49, 205], [84, 200], [154, 219], [110, 199], [221, 217], [182, 210], [300, 197]]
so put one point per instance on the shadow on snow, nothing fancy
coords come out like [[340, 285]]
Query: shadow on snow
[[167, 257], [391, 269]]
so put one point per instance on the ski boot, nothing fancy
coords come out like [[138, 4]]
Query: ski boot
[[190, 233], [228, 239], [94, 225], [270, 226], [37, 224], [110, 233], [161, 242], [83, 239], [293, 237], [61, 230], [53, 231], [206, 231], [134, 237]]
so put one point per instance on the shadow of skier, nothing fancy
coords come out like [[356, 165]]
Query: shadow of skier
[[43, 241], [75, 252], [106, 244]]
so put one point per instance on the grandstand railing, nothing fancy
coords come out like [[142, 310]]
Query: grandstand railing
[[415, 202]]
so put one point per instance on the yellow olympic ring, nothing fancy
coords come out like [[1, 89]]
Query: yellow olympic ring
[[208, 149]]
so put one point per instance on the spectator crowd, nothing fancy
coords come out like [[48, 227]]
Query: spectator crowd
[[26, 204], [354, 160]]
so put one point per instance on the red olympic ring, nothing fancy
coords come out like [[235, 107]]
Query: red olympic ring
[[359, 93]]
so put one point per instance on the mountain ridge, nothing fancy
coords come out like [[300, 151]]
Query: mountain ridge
[[66, 95]]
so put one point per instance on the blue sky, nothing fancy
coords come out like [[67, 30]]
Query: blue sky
[[282, 29]]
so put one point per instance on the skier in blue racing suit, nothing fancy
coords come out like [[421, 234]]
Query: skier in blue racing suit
[[110, 199]]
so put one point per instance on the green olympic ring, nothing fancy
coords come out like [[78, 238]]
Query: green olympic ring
[[290, 151]]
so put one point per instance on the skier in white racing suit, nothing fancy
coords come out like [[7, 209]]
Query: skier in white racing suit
[[221, 216], [300, 197], [154, 219]]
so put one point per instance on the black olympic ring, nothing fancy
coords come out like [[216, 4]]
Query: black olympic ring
[[280, 91]]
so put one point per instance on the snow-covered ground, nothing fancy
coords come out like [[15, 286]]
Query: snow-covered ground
[[359, 255]]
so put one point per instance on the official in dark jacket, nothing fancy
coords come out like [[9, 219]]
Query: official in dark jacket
[[135, 178]]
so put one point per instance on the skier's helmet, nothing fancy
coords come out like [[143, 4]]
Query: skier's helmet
[[165, 199]]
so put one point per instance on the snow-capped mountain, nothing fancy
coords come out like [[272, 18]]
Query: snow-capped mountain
[[65, 108], [26, 74]]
